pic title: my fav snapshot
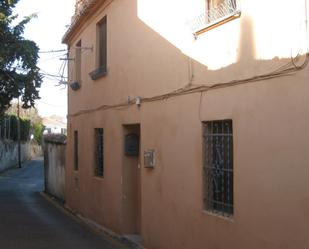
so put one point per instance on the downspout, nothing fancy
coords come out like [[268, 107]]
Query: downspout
[[306, 25]]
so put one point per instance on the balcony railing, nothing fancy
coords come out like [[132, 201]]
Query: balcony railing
[[215, 15]]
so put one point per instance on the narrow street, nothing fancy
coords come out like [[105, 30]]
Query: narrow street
[[28, 221]]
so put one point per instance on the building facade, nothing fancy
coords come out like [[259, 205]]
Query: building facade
[[187, 121], [54, 125]]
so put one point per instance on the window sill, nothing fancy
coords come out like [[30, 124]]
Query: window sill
[[219, 22], [98, 178], [229, 218], [98, 73]]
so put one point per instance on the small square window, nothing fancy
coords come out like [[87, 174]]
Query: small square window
[[218, 167]]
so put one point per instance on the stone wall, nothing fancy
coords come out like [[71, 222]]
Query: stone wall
[[54, 165], [9, 153]]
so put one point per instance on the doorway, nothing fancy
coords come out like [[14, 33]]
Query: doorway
[[131, 181]]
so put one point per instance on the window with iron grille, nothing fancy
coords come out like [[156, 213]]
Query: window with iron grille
[[218, 167], [75, 150], [99, 152]]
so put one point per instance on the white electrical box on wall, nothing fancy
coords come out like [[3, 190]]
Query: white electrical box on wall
[[149, 159]]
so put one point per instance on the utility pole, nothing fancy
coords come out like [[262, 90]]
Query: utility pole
[[18, 134]]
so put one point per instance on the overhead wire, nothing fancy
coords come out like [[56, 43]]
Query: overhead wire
[[49, 76], [52, 75], [53, 51], [52, 105], [52, 58], [60, 78], [189, 89]]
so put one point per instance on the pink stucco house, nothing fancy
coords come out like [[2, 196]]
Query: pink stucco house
[[188, 120]]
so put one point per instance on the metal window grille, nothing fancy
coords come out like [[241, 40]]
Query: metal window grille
[[5, 128], [99, 152], [216, 11], [218, 167], [75, 150]]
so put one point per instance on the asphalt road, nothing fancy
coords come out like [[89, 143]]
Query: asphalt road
[[29, 221]]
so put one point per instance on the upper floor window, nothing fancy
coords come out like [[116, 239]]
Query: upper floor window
[[102, 43], [216, 13], [101, 50], [78, 61]]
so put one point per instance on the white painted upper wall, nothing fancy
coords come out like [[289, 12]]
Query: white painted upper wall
[[150, 44], [269, 28]]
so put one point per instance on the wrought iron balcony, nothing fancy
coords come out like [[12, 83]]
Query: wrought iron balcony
[[226, 11]]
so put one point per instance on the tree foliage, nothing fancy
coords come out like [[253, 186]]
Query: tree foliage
[[31, 114], [19, 74], [9, 128], [37, 131]]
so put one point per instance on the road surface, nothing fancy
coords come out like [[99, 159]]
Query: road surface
[[29, 221]]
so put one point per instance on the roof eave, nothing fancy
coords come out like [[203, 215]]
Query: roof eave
[[78, 18]]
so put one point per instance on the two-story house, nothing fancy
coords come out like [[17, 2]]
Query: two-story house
[[187, 121]]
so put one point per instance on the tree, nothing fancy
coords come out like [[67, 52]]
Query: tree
[[37, 131], [19, 74], [36, 121], [32, 113]]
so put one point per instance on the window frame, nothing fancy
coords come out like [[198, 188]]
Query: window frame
[[99, 152], [75, 150], [218, 168], [102, 42], [101, 50], [78, 61]]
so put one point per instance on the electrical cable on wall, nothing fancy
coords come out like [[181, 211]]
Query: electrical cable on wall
[[189, 89], [286, 70]]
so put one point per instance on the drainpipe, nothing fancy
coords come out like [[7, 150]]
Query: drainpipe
[[306, 25]]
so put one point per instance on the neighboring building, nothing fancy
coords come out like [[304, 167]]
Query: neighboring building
[[54, 125], [187, 121]]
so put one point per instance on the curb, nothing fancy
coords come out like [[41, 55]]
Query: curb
[[119, 241]]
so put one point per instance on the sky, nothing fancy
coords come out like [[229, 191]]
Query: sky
[[47, 31]]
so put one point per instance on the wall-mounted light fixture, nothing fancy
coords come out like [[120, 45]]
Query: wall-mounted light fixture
[[75, 86]]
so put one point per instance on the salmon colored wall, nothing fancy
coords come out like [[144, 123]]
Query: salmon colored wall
[[131, 184], [270, 119], [269, 173]]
